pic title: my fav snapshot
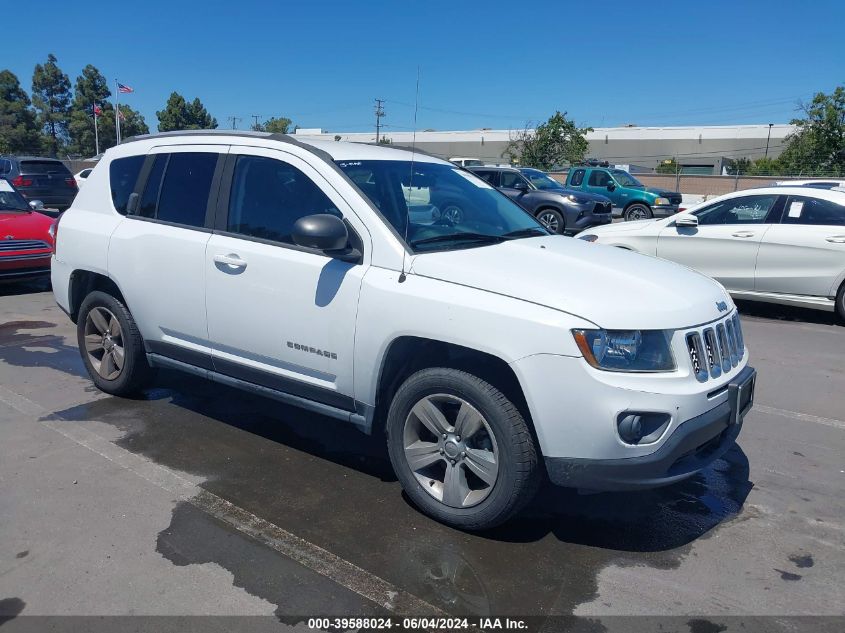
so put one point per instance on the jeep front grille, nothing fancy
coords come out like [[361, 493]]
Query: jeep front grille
[[715, 348]]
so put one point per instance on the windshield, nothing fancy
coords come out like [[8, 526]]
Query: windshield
[[625, 179], [11, 200], [437, 207], [540, 180]]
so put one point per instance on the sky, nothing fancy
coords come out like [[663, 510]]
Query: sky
[[491, 64]]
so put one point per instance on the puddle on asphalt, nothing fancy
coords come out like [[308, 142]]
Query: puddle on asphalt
[[329, 484], [26, 344]]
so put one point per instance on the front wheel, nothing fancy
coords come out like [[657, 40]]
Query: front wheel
[[461, 450], [552, 220], [840, 302], [638, 211]]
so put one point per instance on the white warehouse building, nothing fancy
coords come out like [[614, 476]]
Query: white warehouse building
[[697, 149]]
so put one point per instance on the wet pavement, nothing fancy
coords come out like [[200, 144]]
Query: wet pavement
[[761, 531]]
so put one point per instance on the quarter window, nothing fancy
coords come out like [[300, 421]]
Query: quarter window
[[268, 196], [577, 177], [744, 210], [813, 211], [185, 188], [123, 172]]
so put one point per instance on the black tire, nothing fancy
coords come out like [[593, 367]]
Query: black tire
[[518, 475], [638, 211], [552, 219], [840, 302], [135, 372]]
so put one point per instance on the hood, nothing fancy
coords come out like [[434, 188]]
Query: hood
[[583, 195], [613, 288], [665, 193], [25, 226]]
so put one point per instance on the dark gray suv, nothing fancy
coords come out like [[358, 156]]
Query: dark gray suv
[[44, 179], [560, 210]]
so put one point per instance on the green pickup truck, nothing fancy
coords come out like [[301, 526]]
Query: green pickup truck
[[631, 198]]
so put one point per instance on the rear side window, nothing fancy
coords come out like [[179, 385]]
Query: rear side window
[[123, 173], [43, 167], [813, 211], [268, 196], [577, 177], [487, 175], [149, 199], [185, 188], [5, 166]]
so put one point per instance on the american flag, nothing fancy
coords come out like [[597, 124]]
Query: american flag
[[98, 111], [124, 89], [120, 114]]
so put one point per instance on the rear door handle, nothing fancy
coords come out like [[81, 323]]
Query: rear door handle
[[230, 260], [743, 234], [836, 239]]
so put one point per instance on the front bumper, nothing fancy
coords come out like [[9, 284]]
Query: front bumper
[[693, 445], [24, 266], [586, 215], [664, 210]]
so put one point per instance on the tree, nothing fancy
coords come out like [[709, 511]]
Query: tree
[[91, 87], [277, 125], [51, 97], [737, 166], [554, 143], [668, 167], [385, 141], [178, 114], [765, 167], [19, 133], [818, 144]]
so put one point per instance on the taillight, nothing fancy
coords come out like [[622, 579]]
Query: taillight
[[71, 181], [53, 231], [20, 181]]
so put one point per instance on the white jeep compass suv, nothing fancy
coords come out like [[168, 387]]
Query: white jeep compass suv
[[326, 275]]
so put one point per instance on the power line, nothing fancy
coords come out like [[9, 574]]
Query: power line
[[379, 114], [234, 120], [256, 125]]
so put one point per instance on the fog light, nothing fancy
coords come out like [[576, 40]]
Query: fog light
[[640, 427]]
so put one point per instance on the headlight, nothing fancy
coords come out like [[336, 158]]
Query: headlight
[[626, 350], [589, 237], [661, 201], [575, 199]]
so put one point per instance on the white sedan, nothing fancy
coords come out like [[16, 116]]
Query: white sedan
[[777, 244]]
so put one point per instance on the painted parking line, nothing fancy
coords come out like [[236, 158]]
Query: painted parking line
[[307, 554], [803, 417]]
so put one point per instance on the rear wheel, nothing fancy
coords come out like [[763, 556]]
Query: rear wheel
[[840, 302], [552, 220], [461, 449], [111, 345], [638, 211]]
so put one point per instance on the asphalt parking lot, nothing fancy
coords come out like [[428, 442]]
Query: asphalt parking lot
[[198, 499]]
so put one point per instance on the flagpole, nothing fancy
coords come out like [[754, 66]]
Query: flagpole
[[117, 109], [96, 133]]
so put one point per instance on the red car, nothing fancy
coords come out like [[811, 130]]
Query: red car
[[26, 242]]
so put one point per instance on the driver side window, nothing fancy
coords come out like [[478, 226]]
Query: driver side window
[[599, 179], [268, 196], [509, 179], [743, 210]]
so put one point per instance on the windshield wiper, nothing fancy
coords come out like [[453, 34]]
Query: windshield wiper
[[527, 232], [452, 237]]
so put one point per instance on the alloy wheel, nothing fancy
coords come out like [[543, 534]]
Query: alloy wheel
[[550, 221], [104, 343], [451, 450]]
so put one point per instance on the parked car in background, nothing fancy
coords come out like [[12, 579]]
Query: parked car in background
[[82, 176], [45, 179], [818, 183], [631, 199], [541, 179], [466, 162], [26, 242], [560, 210], [485, 351], [776, 244]]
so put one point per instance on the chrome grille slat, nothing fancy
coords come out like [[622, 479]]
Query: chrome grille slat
[[22, 245], [716, 348]]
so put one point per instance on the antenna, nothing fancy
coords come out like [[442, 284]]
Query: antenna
[[402, 276]]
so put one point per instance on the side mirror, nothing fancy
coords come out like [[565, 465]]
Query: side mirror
[[686, 220], [36, 205], [520, 186], [611, 186], [324, 232]]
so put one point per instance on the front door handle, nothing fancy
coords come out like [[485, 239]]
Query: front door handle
[[230, 260], [836, 239], [743, 234]]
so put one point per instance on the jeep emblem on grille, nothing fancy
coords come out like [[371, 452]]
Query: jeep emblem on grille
[[722, 306]]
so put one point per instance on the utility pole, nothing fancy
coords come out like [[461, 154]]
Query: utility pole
[[234, 120], [256, 125], [379, 114], [767, 139]]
